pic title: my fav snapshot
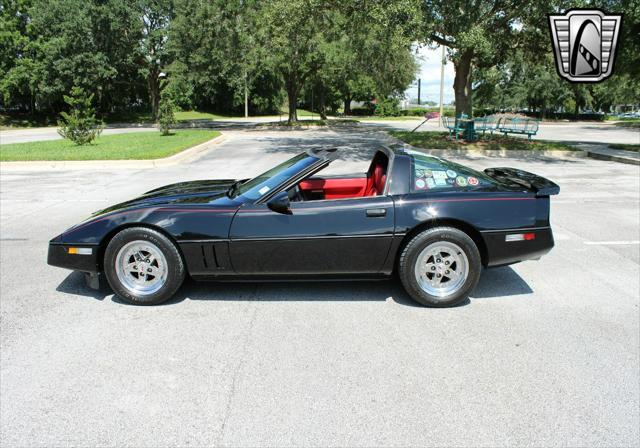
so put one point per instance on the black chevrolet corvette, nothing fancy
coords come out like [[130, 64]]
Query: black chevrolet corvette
[[433, 222]]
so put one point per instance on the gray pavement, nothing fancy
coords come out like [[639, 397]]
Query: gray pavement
[[50, 133], [545, 353], [604, 152], [565, 132], [568, 132]]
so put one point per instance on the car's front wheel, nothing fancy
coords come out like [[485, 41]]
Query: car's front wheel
[[440, 266], [143, 266]]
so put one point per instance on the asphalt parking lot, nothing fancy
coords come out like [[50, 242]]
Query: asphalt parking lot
[[545, 353]]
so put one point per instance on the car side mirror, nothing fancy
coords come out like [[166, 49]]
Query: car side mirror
[[280, 203]]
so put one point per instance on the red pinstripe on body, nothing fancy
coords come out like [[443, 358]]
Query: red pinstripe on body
[[221, 210]]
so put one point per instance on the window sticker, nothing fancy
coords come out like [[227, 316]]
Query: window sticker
[[440, 182], [420, 184], [461, 181], [440, 175], [430, 182], [263, 190], [452, 174], [472, 180]]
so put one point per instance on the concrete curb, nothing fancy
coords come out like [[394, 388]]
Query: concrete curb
[[611, 157], [183, 156], [505, 153]]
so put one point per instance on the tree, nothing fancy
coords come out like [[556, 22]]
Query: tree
[[166, 116], [477, 33], [79, 125], [629, 43], [294, 32], [521, 82], [155, 17], [66, 43], [353, 47], [15, 85], [214, 50]]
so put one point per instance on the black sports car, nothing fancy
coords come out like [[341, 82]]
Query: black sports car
[[434, 222]]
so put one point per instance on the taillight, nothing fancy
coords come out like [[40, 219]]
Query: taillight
[[520, 237]]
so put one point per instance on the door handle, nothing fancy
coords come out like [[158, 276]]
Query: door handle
[[376, 212]]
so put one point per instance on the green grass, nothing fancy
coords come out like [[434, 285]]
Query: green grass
[[8, 122], [145, 117], [300, 112], [132, 146], [626, 147], [629, 123], [440, 140], [402, 118], [185, 115], [614, 118]]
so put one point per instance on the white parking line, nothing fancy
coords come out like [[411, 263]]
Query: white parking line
[[611, 243]]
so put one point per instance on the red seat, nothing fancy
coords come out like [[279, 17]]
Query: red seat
[[376, 181]]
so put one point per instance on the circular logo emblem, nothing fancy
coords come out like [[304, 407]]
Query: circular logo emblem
[[451, 173], [420, 184], [461, 181], [472, 180]]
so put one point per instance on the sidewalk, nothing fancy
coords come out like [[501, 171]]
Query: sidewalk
[[603, 152]]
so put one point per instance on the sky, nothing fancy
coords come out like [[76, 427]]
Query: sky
[[429, 73]]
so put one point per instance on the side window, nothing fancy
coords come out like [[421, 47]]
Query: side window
[[430, 173]]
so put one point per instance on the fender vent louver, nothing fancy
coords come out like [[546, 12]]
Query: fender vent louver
[[209, 257]]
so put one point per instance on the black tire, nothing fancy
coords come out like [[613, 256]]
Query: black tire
[[409, 257], [175, 271]]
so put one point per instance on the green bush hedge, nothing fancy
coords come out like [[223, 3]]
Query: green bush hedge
[[363, 111], [388, 107], [421, 111]]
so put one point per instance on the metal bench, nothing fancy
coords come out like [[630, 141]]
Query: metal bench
[[487, 124], [524, 126]]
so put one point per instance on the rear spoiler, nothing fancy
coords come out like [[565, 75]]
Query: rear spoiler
[[539, 185]]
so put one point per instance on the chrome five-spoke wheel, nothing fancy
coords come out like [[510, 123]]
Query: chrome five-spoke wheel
[[441, 269], [141, 267]]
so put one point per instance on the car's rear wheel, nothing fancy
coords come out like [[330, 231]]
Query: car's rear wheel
[[143, 266], [440, 266]]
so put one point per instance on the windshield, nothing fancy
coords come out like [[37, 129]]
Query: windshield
[[260, 185]]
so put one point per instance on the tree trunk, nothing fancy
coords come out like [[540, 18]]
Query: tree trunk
[[154, 92], [347, 105], [322, 107], [462, 83], [292, 95]]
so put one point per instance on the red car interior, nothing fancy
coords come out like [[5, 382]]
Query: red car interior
[[336, 188], [349, 187]]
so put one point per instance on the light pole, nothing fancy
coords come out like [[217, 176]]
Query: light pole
[[246, 96], [442, 63]]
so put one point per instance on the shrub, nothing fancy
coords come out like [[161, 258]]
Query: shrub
[[166, 116], [388, 107], [80, 124]]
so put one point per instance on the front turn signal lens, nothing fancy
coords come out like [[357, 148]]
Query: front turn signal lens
[[80, 250]]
